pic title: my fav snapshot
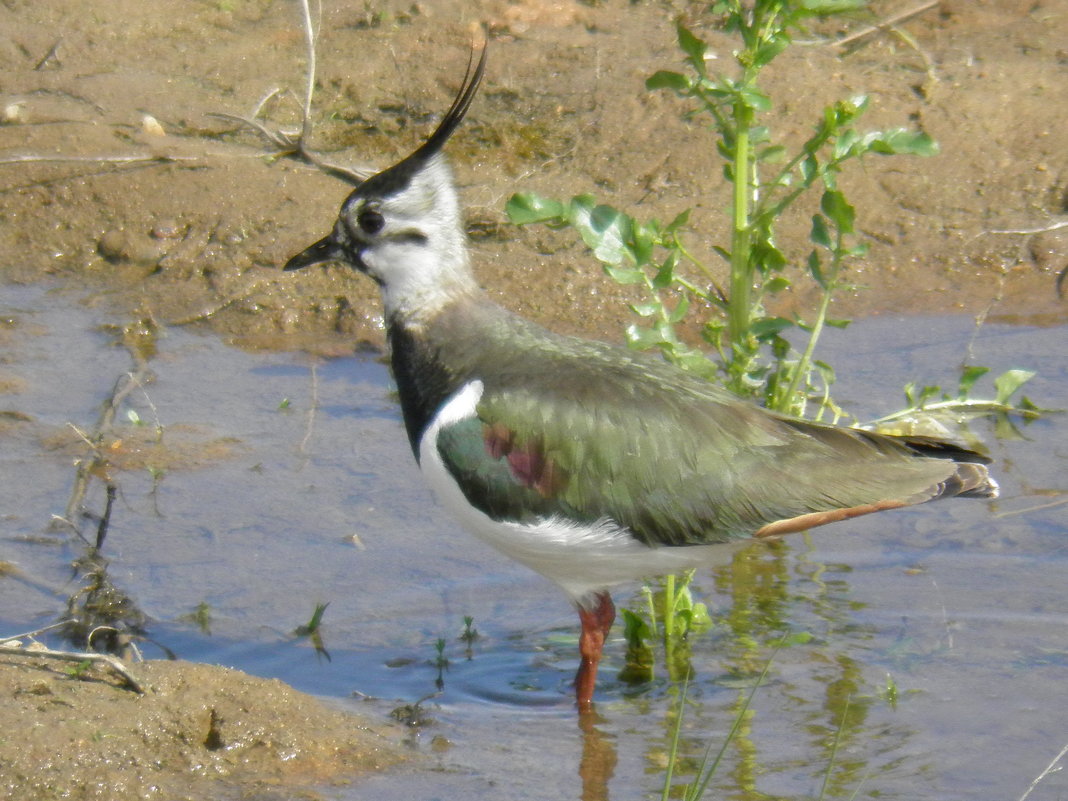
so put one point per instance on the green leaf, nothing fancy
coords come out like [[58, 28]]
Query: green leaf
[[919, 399], [604, 230], [680, 310], [525, 207], [665, 79], [642, 240], [640, 338], [635, 629], [845, 146], [1006, 384], [772, 154], [968, 377], [838, 209], [768, 258], [666, 274], [766, 53], [693, 47], [900, 141], [624, 274], [700, 620], [776, 284], [814, 266], [825, 370], [769, 326], [679, 221], [754, 98], [858, 104], [646, 309], [820, 235]]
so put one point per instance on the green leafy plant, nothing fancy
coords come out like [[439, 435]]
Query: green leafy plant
[[78, 669], [470, 633], [929, 410], [201, 617], [758, 355], [312, 630], [670, 615], [314, 622], [468, 637], [441, 662], [750, 353]]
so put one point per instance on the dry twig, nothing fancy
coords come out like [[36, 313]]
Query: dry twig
[[886, 24], [1050, 768], [287, 145], [112, 662]]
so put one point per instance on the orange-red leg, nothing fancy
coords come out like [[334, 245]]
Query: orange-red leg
[[596, 623]]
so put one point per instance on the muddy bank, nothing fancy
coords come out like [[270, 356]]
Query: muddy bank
[[117, 174], [199, 731]]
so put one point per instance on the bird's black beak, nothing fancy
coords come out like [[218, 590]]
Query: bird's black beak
[[326, 249]]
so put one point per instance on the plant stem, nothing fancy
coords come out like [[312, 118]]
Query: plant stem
[[834, 752], [669, 610], [965, 406], [785, 401], [673, 753], [741, 270]]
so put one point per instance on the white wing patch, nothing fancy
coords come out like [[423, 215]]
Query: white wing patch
[[582, 558]]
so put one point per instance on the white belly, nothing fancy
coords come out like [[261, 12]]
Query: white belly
[[582, 558]]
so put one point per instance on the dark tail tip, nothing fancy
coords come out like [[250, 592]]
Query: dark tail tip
[[972, 480]]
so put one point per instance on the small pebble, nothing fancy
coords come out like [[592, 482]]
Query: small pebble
[[151, 126], [14, 113], [167, 229], [1049, 249]]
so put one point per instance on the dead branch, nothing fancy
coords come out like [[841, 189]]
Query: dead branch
[[1028, 231], [287, 145], [52, 54], [107, 660], [885, 25], [1050, 768], [133, 158], [96, 460]]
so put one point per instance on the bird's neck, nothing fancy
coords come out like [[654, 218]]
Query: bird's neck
[[434, 355], [431, 280]]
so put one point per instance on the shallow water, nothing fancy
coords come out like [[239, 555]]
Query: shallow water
[[289, 482]]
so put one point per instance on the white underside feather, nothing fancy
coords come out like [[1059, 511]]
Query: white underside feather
[[582, 558]]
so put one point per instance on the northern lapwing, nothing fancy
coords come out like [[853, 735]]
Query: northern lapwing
[[587, 462]]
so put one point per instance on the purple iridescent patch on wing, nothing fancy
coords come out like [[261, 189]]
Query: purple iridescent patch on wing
[[528, 462]]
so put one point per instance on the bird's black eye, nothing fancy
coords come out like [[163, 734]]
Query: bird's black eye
[[370, 221]]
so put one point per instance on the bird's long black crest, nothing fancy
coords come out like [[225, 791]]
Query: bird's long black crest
[[454, 116], [397, 177]]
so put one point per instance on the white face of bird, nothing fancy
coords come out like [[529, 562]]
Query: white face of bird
[[410, 239], [403, 226]]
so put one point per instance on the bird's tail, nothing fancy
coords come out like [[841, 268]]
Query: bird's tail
[[972, 480]]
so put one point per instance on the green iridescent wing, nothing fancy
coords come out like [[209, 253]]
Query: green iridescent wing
[[675, 460]]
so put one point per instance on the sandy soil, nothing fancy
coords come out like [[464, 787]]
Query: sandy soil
[[197, 232], [199, 731], [114, 175]]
